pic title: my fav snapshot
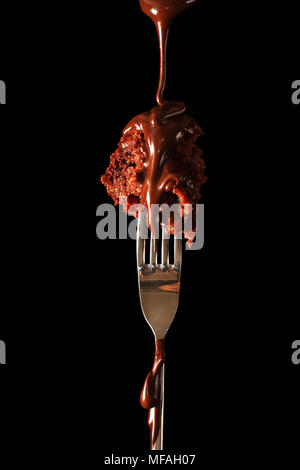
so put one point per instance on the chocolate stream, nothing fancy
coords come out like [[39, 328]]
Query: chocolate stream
[[165, 125]]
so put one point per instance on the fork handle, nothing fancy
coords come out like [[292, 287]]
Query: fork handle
[[159, 441]]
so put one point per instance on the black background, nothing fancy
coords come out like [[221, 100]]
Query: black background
[[78, 347]]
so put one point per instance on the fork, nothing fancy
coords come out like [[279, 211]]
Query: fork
[[159, 288]]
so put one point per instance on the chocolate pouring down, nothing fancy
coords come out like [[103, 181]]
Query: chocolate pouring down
[[158, 161]]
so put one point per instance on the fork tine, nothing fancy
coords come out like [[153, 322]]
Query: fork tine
[[165, 248], [141, 239], [153, 250], [178, 251]]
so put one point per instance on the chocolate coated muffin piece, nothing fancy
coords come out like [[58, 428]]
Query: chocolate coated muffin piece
[[126, 172]]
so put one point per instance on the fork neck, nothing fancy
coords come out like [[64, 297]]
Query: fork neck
[[159, 350]]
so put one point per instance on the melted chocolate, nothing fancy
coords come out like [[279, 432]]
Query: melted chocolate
[[163, 128], [165, 125], [151, 394], [162, 13]]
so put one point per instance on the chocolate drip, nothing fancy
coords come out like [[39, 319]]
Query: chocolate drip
[[151, 394], [162, 13]]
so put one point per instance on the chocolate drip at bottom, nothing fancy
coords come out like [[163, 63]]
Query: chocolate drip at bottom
[[151, 398]]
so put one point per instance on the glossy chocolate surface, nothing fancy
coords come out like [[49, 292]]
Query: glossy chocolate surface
[[163, 128]]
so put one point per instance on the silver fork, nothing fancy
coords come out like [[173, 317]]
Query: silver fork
[[159, 288]]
